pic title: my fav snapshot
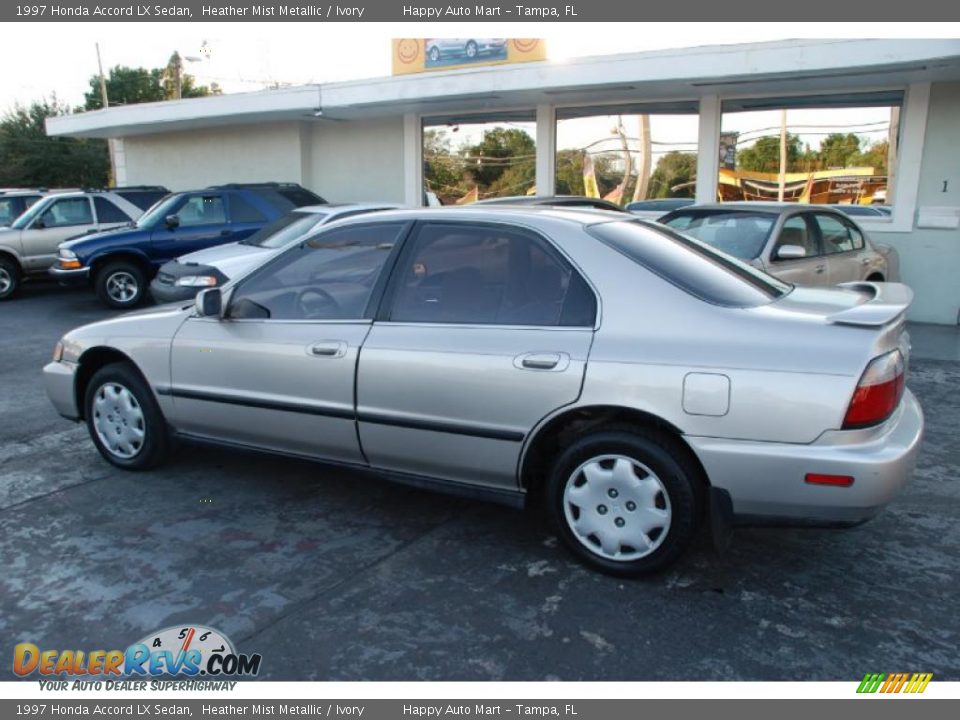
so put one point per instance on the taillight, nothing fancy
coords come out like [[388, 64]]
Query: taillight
[[878, 393]]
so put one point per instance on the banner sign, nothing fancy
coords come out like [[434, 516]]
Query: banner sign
[[417, 55]]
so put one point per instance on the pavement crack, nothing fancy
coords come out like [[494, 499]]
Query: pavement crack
[[52, 492]]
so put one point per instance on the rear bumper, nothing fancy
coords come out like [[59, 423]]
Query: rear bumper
[[80, 276], [58, 378], [766, 481]]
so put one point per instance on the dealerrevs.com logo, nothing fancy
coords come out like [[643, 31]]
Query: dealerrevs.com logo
[[189, 651], [888, 683]]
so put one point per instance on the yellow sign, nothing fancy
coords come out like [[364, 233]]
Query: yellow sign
[[417, 55]]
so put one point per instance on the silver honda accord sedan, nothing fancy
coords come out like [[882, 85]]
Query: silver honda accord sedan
[[634, 381]]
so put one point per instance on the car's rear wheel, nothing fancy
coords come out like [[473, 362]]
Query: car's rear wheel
[[9, 278], [123, 418], [121, 285], [471, 49], [434, 54], [625, 500]]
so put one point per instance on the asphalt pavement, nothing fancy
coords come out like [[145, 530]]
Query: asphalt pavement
[[335, 575]]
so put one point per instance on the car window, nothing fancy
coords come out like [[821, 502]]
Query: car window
[[285, 229], [693, 266], [835, 235], [795, 231], [241, 211], [9, 209], [202, 210], [330, 276], [741, 234], [67, 212], [107, 212], [488, 274]]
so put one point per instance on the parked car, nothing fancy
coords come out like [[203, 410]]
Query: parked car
[[184, 277], [469, 48], [29, 246], [810, 244], [463, 350], [655, 209], [554, 201], [120, 264]]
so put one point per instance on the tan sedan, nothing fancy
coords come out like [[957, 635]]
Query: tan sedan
[[806, 244]]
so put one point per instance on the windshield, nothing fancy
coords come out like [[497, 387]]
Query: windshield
[[284, 229], [33, 211], [691, 265], [739, 233], [159, 211]]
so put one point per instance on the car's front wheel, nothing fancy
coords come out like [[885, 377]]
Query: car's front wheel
[[123, 418], [120, 285], [624, 499], [471, 50], [434, 54]]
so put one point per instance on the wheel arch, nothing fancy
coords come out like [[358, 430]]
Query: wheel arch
[[90, 362], [10, 254], [552, 434], [100, 261]]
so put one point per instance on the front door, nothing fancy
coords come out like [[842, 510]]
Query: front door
[[843, 248], [486, 330], [201, 221], [808, 270], [277, 372], [63, 219]]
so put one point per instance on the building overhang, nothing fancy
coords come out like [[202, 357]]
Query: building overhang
[[780, 68]]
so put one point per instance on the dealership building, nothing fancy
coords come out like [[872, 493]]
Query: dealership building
[[364, 140]]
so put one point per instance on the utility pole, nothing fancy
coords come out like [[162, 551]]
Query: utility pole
[[783, 155], [646, 161], [106, 104]]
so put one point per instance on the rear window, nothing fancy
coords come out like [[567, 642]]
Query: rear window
[[300, 196], [739, 233], [691, 265]]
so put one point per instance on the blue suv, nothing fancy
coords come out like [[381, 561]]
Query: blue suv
[[120, 263]]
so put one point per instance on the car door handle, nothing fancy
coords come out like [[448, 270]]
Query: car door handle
[[542, 361], [328, 349], [820, 268]]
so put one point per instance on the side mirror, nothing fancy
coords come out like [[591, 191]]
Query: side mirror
[[172, 221], [791, 252], [210, 303]]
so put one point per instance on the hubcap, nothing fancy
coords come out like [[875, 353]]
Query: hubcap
[[5, 280], [617, 507], [122, 287], [118, 420]]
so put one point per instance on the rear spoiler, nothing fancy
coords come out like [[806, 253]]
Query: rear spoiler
[[887, 302]]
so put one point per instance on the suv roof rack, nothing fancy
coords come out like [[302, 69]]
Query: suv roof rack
[[240, 186], [120, 188]]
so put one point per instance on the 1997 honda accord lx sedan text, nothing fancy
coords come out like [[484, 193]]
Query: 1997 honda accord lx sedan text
[[633, 380]]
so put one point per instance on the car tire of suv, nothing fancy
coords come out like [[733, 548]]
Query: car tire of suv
[[124, 419], [624, 499], [121, 285], [9, 278]]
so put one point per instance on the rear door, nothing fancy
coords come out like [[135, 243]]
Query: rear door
[[798, 230], [202, 222], [486, 329], [64, 218], [278, 372], [844, 249], [247, 215]]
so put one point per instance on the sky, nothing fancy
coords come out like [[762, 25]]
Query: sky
[[60, 57]]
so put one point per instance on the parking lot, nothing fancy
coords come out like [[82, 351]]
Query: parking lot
[[333, 575]]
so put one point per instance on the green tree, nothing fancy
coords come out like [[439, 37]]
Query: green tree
[[839, 150], [874, 156], [442, 169], [503, 161], [128, 86], [31, 158], [764, 154], [673, 169]]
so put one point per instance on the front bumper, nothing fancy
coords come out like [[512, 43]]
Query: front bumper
[[766, 481], [79, 276], [58, 378]]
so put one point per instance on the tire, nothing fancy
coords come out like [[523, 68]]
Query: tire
[[640, 506], [121, 285], [434, 54], [9, 278], [117, 404], [471, 50]]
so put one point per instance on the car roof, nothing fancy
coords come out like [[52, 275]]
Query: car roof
[[498, 213], [770, 208], [338, 208]]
